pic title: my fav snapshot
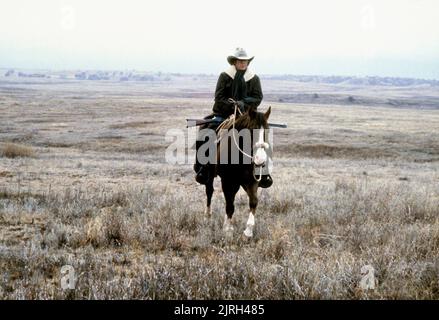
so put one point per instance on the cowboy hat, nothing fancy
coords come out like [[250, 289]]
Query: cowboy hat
[[239, 54]]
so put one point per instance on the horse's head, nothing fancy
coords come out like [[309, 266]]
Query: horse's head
[[258, 121]]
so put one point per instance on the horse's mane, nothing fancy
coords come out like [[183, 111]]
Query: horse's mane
[[250, 120]]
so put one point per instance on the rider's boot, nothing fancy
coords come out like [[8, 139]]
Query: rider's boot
[[201, 171], [266, 181]]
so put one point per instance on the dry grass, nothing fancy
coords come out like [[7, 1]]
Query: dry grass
[[353, 186], [333, 151], [12, 150], [134, 124], [137, 243]]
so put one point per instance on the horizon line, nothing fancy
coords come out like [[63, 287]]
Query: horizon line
[[214, 74]]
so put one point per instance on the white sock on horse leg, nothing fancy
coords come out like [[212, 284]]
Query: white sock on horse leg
[[228, 224], [248, 232]]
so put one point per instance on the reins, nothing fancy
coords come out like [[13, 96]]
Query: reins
[[226, 124]]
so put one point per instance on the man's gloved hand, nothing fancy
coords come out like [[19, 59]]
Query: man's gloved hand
[[241, 105]]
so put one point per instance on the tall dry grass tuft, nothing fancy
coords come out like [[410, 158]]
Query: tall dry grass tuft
[[13, 150], [107, 228]]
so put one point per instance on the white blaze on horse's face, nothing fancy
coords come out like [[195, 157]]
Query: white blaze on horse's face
[[260, 156]]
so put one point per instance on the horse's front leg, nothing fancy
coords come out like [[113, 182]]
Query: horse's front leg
[[229, 189], [210, 189], [252, 192], [209, 193]]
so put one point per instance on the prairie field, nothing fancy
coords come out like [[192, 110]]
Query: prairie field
[[84, 182]]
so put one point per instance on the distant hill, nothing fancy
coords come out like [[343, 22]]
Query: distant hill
[[362, 81], [135, 75]]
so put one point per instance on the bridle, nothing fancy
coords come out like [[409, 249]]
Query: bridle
[[259, 144]]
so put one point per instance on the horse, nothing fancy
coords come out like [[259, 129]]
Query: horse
[[240, 174]]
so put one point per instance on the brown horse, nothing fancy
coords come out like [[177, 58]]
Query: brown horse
[[241, 171]]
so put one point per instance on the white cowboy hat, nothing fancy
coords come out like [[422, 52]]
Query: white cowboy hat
[[239, 54]]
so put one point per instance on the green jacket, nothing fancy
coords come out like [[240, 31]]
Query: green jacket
[[223, 92]]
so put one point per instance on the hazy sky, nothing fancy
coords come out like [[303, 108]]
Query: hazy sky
[[347, 37]]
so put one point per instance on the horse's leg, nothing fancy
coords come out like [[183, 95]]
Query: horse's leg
[[252, 192], [229, 189], [209, 193]]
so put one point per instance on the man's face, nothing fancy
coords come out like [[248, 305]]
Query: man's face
[[241, 64]]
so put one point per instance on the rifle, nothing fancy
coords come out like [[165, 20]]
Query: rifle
[[199, 122]]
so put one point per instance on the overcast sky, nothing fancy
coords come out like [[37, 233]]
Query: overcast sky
[[346, 37]]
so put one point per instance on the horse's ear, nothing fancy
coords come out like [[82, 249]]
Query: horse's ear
[[267, 113]]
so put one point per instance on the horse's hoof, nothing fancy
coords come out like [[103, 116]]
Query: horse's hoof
[[248, 233], [229, 234], [228, 227]]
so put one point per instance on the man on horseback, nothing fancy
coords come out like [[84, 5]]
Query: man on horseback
[[238, 84]]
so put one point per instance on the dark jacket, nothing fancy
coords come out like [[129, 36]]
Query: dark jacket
[[223, 92]]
